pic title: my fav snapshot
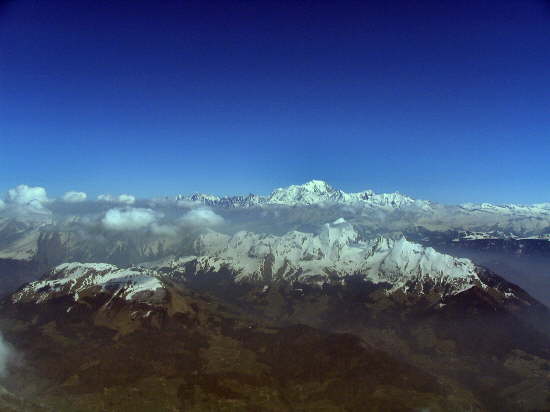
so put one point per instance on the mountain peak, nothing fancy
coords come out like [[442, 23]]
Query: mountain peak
[[339, 233], [79, 279], [314, 191], [334, 254], [317, 186]]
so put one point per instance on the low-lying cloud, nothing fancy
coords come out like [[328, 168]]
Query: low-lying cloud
[[124, 198], [202, 217], [25, 195], [129, 218], [74, 197], [6, 353], [26, 202]]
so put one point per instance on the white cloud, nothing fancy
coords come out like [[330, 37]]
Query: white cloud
[[28, 196], [128, 199], [6, 353], [74, 197], [106, 198], [124, 198], [202, 217], [129, 218], [2, 204]]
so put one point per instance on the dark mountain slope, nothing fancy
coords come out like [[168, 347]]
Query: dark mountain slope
[[184, 350]]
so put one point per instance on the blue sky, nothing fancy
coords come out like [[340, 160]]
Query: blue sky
[[448, 101]]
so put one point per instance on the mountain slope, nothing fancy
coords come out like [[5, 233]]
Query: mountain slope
[[336, 253], [92, 343], [96, 336], [421, 306]]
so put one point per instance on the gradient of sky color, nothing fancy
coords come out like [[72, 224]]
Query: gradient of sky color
[[443, 100]]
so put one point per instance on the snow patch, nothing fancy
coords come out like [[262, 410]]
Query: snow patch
[[78, 278]]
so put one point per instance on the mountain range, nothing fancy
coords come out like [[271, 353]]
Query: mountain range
[[318, 192], [150, 230], [407, 328], [307, 299]]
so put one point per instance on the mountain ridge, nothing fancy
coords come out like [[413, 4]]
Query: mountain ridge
[[317, 192], [332, 255], [313, 192], [122, 336]]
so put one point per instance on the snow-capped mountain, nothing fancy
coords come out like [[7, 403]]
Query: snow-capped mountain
[[522, 219], [314, 192], [158, 322], [330, 256], [495, 235], [91, 339], [77, 233], [81, 279], [319, 192], [540, 209]]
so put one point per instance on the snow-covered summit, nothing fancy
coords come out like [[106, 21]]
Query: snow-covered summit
[[79, 279], [314, 192], [540, 209], [331, 255], [320, 192], [203, 197]]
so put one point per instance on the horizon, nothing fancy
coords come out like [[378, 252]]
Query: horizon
[[244, 97], [275, 206], [112, 197]]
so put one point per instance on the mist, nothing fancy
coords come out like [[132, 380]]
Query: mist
[[6, 354], [532, 273]]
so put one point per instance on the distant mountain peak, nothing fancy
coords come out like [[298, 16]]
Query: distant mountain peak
[[319, 186], [313, 192]]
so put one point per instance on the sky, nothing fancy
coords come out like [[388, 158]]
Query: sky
[[447, 101]]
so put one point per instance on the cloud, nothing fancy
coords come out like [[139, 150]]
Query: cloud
[[74, 197], [129, 219], [106, 198], [128, 199], [124, 198], [187, 203], [202, 217], [28, 196], [6, 353], [27, 202], [2, 204]]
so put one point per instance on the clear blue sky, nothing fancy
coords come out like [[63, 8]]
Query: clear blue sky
[[445, 100]]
